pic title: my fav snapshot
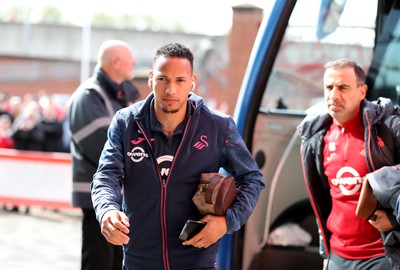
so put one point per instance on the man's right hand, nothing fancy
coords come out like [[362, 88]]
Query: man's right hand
[[114, 227], [381, 222]]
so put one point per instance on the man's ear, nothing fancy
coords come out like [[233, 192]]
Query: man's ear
[[364, 89], [194, 79], [115, 61]]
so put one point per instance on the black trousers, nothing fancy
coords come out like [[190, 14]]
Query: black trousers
[[97, 253]]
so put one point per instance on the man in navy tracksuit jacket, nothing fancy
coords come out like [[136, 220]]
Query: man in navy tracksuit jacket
[[158, 174]]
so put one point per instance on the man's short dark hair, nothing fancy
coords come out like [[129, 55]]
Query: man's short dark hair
[[174, 50], [344, 63]]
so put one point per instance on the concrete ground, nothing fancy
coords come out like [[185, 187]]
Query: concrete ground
[[41, 239]]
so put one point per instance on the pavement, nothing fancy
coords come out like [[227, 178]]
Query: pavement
[[40, 239]]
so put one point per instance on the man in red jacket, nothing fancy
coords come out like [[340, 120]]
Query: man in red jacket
[[339, 149]]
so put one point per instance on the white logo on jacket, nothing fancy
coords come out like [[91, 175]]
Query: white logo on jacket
[[137, 154], [352, 179], [165, 164]]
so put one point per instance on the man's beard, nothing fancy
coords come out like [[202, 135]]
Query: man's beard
[[167, 111]]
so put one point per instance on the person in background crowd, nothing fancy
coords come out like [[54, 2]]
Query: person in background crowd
[[52, 128], [353, 141], [4, 105], [155, 152], [90, 111], [14, 106], [6, 140], [27, 134]]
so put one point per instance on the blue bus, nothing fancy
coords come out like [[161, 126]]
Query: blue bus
[[282, 83]]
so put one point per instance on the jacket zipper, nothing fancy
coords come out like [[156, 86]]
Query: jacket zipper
[[314, 206], [162, 202], [164, 184]]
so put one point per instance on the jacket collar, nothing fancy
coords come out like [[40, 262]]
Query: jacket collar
[[109, 85], [377, 110]]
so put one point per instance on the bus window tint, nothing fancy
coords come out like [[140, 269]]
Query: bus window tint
[[383, 79]]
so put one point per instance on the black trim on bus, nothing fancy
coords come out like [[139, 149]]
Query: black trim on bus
[[250, 120], [266, 69]]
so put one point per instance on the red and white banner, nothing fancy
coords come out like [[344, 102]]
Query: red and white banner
[[35, 178]]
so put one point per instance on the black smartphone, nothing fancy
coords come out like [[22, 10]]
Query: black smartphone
[[191, 228]]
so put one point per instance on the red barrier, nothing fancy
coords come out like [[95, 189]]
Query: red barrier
[[35, 178]]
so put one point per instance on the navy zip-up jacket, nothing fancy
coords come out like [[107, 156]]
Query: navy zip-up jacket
[[157, 209], [381, 125]]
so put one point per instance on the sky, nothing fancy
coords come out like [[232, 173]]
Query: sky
[[212, 17]]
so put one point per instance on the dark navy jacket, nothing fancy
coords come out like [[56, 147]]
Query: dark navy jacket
[[157, 208], [89, 118]]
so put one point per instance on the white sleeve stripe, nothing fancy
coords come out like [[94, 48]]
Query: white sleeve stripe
[[91, 128], [81, 187]]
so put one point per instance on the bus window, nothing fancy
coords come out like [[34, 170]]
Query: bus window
[[383, 78], [296, 79]]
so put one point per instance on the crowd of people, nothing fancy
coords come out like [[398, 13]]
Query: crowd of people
[[33, 122]]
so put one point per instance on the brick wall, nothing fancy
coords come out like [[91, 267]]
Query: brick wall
[[246, 22]]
